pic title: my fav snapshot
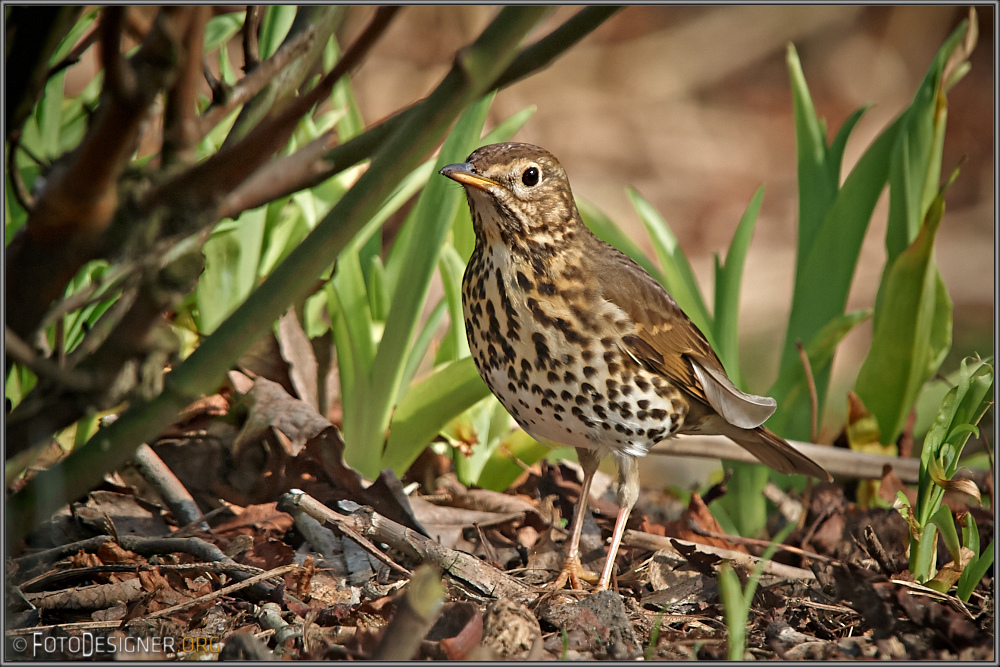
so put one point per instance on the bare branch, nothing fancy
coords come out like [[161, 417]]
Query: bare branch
[[180, 126], [251, 25], [200, 187], [255, 81], [67, 224]]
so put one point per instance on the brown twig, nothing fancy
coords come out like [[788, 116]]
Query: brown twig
[[251, 49], [255, 80], [232, 588], [635, 538], [840, 462], [298, 173], [180, 124], [874, 546], [22, 353], [199, 187], [19, 189], [68, 222], [697, 529], [162, 478], [811, 385], [481, 576]]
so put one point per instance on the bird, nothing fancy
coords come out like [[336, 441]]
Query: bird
[[581, 345]]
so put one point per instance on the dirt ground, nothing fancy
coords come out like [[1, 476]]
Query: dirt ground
[[297, 557]]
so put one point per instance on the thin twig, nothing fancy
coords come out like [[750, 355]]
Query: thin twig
[[232, 588], [20, 190], [170, 488], [839, 461], [290, 174], [697, 529], [22, 353], [254, 81], [180, 124], [811, 384], [635, 538], [251, 50]]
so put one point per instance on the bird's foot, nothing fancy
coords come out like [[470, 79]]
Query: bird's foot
[[572, 572]]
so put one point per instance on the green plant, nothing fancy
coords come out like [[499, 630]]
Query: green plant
[[263, 140], [960, 411], [654, 637], [737, 599]]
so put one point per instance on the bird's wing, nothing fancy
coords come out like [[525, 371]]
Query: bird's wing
[[666, 341]]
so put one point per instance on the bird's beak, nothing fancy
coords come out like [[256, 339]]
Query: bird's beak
[[462, 172]]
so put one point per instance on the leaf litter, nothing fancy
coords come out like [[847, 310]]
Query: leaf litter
[[298, 557]]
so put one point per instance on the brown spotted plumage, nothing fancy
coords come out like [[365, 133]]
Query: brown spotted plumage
[[581, 345]]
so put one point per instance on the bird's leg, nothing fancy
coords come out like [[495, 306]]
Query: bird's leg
[[628, 493], [572, 571]]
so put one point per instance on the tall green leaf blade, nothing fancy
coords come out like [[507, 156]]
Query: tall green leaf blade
[[824, 279], [427, 407], [452, 268], [912, 332], [274, 25], [421, 344], [433, 214], [916, 168], [728, 280], [817, 185]]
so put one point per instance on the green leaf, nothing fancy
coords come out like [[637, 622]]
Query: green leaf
[[735, 610], [824, 273], [817, 185], [452, 268], [274, 25], [728, 280], [420, 346], [432, 215], [427, 407], [916, 161], [974, 573], [679, 279], [945, 522], [912, 332], [507, 461], [221, 28]]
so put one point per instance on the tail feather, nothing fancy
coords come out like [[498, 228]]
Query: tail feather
[[774, 452]]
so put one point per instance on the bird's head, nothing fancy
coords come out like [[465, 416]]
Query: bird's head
[[518, 193]]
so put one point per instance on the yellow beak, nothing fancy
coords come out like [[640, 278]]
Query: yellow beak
[[462, 172]]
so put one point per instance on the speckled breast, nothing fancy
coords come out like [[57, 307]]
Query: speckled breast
[[546, 345]]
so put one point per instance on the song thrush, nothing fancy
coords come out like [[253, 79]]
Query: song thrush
[[581, 345]]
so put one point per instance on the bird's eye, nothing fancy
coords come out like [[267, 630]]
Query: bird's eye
[[530, 176]]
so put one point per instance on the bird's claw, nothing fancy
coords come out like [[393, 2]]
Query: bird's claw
[[572, 572]]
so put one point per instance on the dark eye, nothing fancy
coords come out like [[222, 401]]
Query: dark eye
[[530, 176]]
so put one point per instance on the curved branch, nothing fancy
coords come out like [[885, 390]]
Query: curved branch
[[180, 126], [308, 167]]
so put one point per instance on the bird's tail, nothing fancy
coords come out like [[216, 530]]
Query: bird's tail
[[773, 451]]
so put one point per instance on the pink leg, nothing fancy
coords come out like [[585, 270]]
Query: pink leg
[[572, 570], [628, 493]]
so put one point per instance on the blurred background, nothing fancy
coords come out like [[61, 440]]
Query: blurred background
[[692, 106]]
